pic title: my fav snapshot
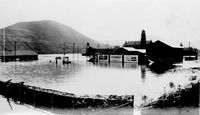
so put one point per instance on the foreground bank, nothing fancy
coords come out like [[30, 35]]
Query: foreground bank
[[37, 96]]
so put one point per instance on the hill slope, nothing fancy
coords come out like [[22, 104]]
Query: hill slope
[[45, 37]]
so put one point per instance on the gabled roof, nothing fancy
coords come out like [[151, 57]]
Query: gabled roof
[[168, 43], [160, 43]]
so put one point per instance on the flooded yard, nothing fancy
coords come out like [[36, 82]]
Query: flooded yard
[[146, 83]]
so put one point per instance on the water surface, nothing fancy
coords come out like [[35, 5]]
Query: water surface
[[82, 77]]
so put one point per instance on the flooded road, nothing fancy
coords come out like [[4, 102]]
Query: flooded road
[[146, 83]]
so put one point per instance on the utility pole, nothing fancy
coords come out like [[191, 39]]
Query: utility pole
[[64, 48], [4, 43], [73, 47], [15, 50], [189, 45], [189, 49]]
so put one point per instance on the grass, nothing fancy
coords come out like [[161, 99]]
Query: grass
[[182, 97]]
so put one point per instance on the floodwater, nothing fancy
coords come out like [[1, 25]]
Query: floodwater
[[82, 77]]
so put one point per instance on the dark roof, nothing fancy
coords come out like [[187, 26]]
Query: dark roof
[[136, 42], [19, 53], [190, 49], [160, 43], [164, 44]]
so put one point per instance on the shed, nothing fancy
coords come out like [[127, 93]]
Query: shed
[[21, 55], [160, 51]]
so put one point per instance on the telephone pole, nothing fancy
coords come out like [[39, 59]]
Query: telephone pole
[[73, 47], [15, 51], [4, 43], [64, 48]]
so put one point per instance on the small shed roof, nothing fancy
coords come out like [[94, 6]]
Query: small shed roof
[[133, 49]]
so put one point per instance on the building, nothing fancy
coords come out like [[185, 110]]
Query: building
[[162, 52], [142, 44], [121, 55], [21, 55], [190, 53]]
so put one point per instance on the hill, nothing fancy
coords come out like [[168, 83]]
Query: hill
[[45, 37]]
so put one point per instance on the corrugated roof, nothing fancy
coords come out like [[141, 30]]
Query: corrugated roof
[[133, 49]]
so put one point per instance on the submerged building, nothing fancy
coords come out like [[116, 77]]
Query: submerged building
[[20, 55], [140, 51], [162, 52], [121, 55]]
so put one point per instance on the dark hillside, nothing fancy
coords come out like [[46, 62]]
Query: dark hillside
[[45, 37]]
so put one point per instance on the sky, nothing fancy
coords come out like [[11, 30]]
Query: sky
[[107, 20]]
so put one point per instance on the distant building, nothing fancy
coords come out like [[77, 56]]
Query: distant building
[[116, 47], [21, 55], [142, 44], [90, 51], [162, 52], [190, 53]]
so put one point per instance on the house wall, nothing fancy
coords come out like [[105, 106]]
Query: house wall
[[103, 58], [130, 58], [118, 58]]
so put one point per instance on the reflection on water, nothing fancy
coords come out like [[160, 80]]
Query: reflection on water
[[161, 68], [81, 77], [117, 65], [143, 72]]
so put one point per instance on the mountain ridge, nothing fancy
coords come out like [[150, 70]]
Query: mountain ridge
[[46, 36]]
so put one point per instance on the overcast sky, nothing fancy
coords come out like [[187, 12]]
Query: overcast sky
[[173, 20]]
